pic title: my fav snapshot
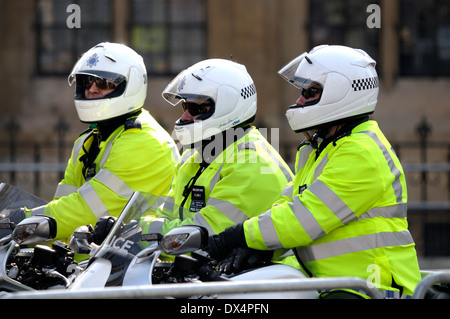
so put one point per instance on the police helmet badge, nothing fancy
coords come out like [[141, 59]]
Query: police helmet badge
[[92, 60], [181, 84]]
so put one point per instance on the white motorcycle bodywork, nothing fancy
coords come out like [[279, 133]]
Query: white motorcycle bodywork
[[141, 264]]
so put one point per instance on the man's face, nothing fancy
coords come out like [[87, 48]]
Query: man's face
[[193, 109], [96, 88], [94, 92], [310, 94]]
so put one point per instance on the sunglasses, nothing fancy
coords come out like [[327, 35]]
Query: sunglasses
[[311, 92], [196, 108], [102, 84]]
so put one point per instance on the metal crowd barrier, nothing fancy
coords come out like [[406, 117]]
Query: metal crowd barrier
[[429, 279], [32, 167], [205, 289]]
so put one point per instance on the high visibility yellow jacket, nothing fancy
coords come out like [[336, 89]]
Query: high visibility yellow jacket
[[242, 181], [141, 157], [345, 213]]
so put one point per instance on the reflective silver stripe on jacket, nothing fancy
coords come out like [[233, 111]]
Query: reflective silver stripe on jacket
[[332, 201], [215, 178], [228, 209], [169, 204], [354, 244], [114, 183], [268, 232], [343, 212], [320, 166], [396, 185], [64, 190], [200, 220], [395, 211], [93, 200], [108, 149], [186, 156], [306, 219], [252, 145], [288, 190], [303, 156], [313, 228], [38, 210], [156, 226], [78, 146], [104, 176], [274, 158]]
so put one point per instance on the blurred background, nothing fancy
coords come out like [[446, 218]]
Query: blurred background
[[410, 39]]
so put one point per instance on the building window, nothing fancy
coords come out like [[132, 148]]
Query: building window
[[436, 239], [58, 46], [169, 34], [343, 23], [424, 38]]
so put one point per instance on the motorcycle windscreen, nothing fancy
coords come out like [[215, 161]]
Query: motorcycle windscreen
[[129, 235], [12, 197]]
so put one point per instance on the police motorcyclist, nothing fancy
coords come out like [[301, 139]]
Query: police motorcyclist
[[345, 212], [125, 148], [228, 171]]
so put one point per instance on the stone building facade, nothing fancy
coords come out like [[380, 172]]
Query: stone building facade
[[413, 62]]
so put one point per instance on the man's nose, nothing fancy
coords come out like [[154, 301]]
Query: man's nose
[[94, 88], [301, 100], [187, 117]]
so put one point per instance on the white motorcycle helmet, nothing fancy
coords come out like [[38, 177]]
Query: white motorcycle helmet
[[119, 65], [348, 82], [226, 85]]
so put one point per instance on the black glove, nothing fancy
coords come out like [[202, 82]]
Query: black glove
[[242, 259], [102, 228], [222, 244]]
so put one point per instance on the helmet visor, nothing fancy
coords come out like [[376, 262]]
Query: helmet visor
[[102, 78], [310, 90], [171, 92], [288, 71]]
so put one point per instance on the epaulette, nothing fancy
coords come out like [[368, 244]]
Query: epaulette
[[132, 123]]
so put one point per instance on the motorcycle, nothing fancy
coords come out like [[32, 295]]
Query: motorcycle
[[22, 267], [129, 256]]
